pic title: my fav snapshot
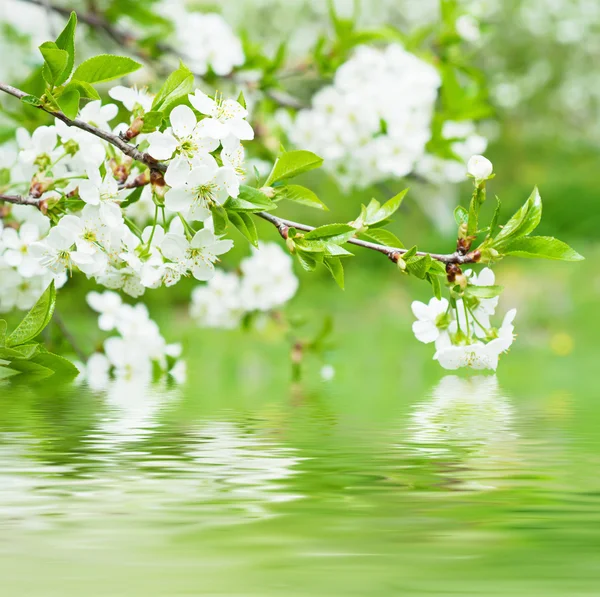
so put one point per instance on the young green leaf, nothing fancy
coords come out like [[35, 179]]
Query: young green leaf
[[418, 265], [68, 101], [3, 327], [55, 62], [249, 199], [302, 195], [36, 320], [152, 121], [494, 222], [32, 100], [219, 216], [85, 89], [435, 285], [332, 233], [383, 237], [6, 372], [105, 67], [542, 247], [55, 363], [387, 209], [461, 215], [307, 260], [178, 84], [335, 267], [522, 223], [66, 41], [245, 224], [293, 163]]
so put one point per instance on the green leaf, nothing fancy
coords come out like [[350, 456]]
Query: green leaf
[[56, 363], [522, 223], [36, 320], [134, 196], [6, 372], [241, 100], [105, 67], [152, 121], [302, 195], [418, 265], [68, 101], [3, 326], [245, 224], [322, 246], [435, 285], [383, 237], [387, 209], [307, 260], [477, 201], [220, 220], [249, 199], [494, 222], [24, 351], [483, 292], [335, 267], [32, 370], [66, 41], [332, 233], [85, 89], [178, 84], [55, 62], [293, 163], [542, 247], [461, 215], [32, 100]]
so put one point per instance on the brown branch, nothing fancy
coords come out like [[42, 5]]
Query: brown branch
[[115, 140], [20, 200], [281, 224], [392, 253]]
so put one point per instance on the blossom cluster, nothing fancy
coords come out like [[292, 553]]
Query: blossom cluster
[[461, 331], [23, 277], [80, 174], [374, 122], [136, 351], [205, 40], [266, 280]]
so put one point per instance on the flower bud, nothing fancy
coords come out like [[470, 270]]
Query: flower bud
[[134, 129], [291, 245], [480, 168]]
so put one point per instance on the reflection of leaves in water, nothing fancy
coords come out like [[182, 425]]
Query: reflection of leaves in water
[[467, 420]]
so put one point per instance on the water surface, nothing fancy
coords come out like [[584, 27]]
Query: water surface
[[461, 488]]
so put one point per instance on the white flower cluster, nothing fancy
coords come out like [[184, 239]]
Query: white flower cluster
[[266, 281], [23, 278], [205, 40], [138, 348], [464, 336], [373, 123], [93, 235]]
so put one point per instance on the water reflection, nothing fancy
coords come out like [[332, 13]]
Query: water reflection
[[468, 423]]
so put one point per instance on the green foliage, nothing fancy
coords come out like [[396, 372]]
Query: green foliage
[[542, 247], [301, 195], [68, 101], [178, 84], [383, 237], [249, 199], [523, 222], [104, 67], [66, 41], [245, 224], [55, 62], [152, 121], [483, 292], [292, 163], [20, 354]]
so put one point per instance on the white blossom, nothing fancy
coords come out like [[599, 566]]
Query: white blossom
[[479, 167]]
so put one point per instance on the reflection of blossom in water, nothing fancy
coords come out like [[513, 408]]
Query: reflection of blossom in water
[[134, 406], [242, 466], [468, 419]]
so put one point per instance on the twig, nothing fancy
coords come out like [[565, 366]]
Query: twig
[[19, 200], [392, 253], [281, 224], [115, 140]]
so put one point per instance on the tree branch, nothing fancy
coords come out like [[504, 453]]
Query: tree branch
[[392, 253], [115, 140], [19, 200], [281, 224]]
